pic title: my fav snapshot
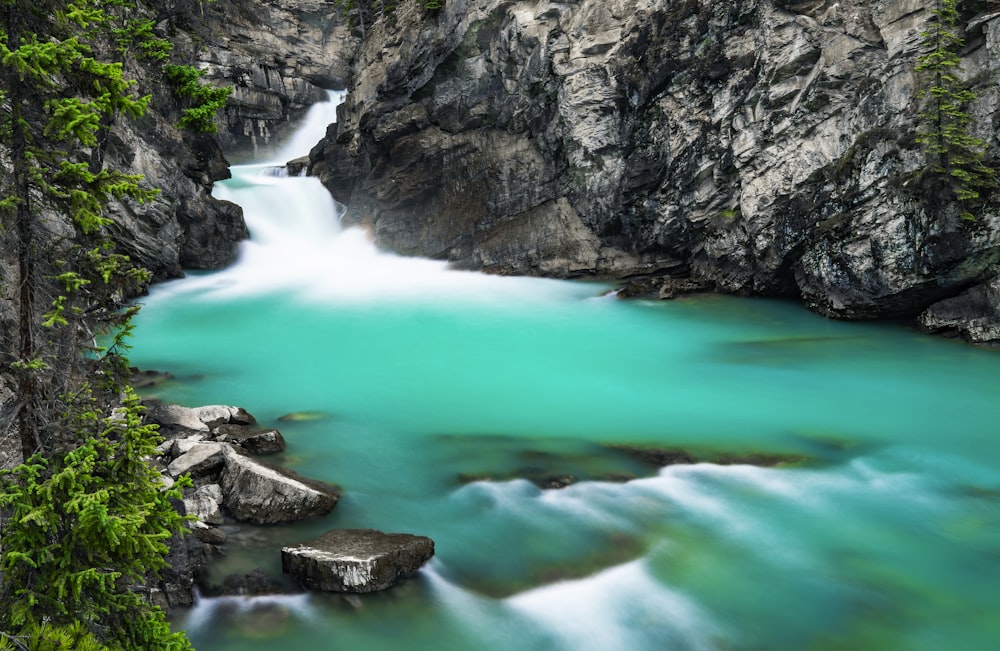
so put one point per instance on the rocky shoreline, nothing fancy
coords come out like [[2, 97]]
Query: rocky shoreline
[[219, 448]]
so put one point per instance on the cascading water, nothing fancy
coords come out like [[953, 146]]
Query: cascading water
[[433, 392]]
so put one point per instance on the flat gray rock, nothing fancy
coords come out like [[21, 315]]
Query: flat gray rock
[[356, 560]]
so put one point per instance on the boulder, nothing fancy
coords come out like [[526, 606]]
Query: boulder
[[268, 441], [174, 420], [265, 494], [177, 447], [204, 505], [356, 560], [201, 460], [973, 315], [178, 421]]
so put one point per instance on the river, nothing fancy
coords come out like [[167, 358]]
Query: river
[[434, 396]]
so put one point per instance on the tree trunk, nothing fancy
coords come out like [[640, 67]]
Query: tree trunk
[[27, 418]]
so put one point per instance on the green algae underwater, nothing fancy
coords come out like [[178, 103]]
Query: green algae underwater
[[442, 400]]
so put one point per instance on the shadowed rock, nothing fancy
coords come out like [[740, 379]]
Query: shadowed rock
[[269, 441], [201, 459]]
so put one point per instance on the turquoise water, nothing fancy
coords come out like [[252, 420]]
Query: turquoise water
[[431, 393]]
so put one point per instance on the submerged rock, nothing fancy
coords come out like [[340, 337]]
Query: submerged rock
[[356, 560], [661, 457], [256, 582]]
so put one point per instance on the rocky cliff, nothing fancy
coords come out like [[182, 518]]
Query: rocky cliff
[[755, 147], [280, 56]]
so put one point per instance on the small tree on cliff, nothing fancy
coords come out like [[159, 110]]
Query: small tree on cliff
[[951, 149]]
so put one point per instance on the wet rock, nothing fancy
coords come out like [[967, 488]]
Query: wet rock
[[208, 534], [662, 457], [973, 315], [657, 457], [258, 442], [264, 494], [301, 416], [256, 582], [186, 560], [356, 560], [148, 379]]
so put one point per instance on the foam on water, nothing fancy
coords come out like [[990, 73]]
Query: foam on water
[[311, 130], [305, 252], [207, 610], [619, 608]]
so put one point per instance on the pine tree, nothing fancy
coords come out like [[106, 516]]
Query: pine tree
[[85, 518], [85, 526], [59, 101], [951, 149]]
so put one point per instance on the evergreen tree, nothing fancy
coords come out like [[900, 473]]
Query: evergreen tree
[[944, 130], [58, 104], [86, 526], [85, 518]]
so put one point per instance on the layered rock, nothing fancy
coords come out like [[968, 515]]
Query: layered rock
[[279, 58], [757, 147], [356, 560]]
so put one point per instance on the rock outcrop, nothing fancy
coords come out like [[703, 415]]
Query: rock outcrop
[[759, 147], [228, 486], [279, 57], [207, 447], [356, 560]]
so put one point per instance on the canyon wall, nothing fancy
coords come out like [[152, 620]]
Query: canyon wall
[[758, 147]]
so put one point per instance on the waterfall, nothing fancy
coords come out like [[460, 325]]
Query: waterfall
[[298, 246]]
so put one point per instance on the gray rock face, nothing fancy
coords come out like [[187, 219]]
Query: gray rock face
[[204, 504], [973, 315], [755, 146], [265, 494], [356, 560], [10, 440], [183, 227], [278, 56]]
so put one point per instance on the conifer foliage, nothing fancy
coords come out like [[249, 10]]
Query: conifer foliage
[[85, 519], [951, 149]]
